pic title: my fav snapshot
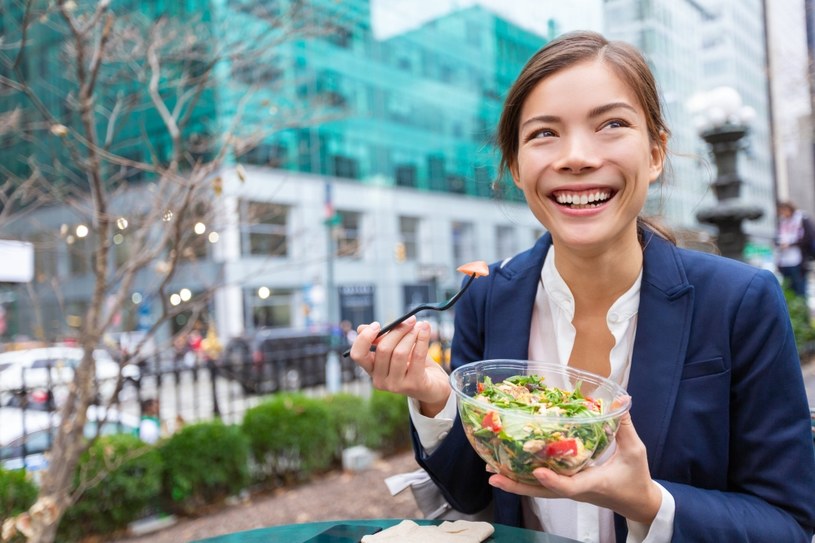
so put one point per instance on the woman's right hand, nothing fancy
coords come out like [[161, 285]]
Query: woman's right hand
[[400, 363]]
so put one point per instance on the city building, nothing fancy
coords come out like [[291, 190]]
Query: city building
[[791, 92], [400, 151]]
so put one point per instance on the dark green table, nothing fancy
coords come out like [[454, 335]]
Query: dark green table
[[299, 533]]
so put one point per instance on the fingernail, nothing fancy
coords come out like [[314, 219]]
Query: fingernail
[[375, 325]]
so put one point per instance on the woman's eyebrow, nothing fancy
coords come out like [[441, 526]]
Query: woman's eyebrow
[[602, 110], [541, 119], [594, 112]]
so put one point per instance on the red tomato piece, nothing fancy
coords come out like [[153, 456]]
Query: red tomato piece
[[565, 447], [491, 421]]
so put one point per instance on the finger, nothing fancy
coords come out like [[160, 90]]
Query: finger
[[389, 357], [420, 348], [361, 348], [508, 485]]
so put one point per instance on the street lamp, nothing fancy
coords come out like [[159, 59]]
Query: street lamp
[[722, 121]]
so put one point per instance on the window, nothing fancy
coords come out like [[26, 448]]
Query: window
[[463, 242], [345, 167], [505, 241], [409, 234], [79, 254], [273, 310], [265, 230], [406, 175], [45, 258], [348, 236]]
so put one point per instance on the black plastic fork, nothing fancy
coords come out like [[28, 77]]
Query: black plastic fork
[[438, 306]]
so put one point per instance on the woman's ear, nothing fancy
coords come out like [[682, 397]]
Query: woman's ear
[[659, 151], [516, 178]]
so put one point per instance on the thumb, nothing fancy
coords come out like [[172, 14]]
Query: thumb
[[626, 434]]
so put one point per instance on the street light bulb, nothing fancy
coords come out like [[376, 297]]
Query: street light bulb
[[175, 299], [716, 116], [727, 99], [213, 237], [264, 292], [747, 114], [81, 231], [121, 223], [185, 294], [199, 228]]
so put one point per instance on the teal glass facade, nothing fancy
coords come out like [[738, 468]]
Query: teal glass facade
[[417, 110]]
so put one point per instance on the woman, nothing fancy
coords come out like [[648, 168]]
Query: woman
[[717, 445], [793, 243]]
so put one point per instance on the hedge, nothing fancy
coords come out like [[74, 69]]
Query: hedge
[[288, 438]]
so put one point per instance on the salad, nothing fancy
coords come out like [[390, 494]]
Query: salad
[[537, 437]]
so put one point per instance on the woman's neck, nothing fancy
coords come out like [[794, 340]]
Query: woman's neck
[[599, 277]]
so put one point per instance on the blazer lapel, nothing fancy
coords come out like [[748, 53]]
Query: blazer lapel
[[663, 330], [511, 302]]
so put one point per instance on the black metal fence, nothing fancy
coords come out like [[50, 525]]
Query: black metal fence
[[186, 392]]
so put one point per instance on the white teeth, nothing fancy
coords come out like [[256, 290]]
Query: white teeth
[[582, 199]]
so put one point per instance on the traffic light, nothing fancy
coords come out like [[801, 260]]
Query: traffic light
[[399, 252]]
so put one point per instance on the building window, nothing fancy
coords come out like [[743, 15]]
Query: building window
[[79, 254], [268, 308], [345, 167], [409, 234], [348, 235], [45, 257], [265, 229], [505, 241], [406, 175], [435, 172], [463, 242]]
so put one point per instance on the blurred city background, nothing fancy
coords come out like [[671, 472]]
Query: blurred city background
[[206, 197]]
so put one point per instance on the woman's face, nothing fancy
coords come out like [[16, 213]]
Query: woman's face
[[585, 160]]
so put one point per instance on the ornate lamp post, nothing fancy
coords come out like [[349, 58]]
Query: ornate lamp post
[[723, 122]]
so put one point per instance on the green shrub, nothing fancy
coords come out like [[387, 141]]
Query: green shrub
[[124, 475], [392, 420], [17, 493], [801, 323], [292, 437], [203, 464], [353, 420]]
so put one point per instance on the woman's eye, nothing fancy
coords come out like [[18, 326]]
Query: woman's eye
[[542, 133], [615, 123]]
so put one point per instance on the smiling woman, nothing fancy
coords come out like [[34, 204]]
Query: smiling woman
[[701, 343]]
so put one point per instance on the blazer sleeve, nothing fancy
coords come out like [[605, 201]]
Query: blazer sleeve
[[454, 466], [770, 491]]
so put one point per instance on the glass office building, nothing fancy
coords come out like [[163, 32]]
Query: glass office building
[[398, 132]]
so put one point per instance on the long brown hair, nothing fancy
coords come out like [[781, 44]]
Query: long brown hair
[[565, 51]]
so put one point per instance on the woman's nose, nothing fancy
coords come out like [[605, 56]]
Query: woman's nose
[[578, 155]]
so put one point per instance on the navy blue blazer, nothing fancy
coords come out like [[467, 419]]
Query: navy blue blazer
[[716, 385]]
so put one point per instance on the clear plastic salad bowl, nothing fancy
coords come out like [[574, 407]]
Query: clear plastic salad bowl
[[563, 425]]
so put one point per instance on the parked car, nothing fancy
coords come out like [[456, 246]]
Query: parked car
[[281, 359], [52, 368], [27, 435]]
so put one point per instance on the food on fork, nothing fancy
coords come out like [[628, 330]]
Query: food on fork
[[478, 268]]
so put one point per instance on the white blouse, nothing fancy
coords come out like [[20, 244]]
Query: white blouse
[[552, 317]]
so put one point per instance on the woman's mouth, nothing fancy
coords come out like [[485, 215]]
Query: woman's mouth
[[582, 199]]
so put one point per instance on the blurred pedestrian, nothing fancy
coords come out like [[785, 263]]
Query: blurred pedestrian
[[794, 243], [150, 425]]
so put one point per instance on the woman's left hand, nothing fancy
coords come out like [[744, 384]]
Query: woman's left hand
[[623, 483]]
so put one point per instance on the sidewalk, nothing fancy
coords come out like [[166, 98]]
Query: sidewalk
[[338, 495]]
